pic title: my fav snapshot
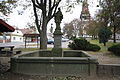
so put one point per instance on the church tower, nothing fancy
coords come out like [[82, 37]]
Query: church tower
[[85, 15]]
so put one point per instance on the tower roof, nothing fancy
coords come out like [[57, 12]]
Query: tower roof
[[85, 11]]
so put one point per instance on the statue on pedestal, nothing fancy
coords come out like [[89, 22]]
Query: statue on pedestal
[[57, 50], [58, 18]]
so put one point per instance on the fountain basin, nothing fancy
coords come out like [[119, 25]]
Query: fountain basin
[[42, 63]]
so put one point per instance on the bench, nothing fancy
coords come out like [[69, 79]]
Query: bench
[[6, 53], [17, 51], [10, 53], [2, 47]]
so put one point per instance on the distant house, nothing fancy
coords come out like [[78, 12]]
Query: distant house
[[30, 34], [117, 36], [16, 36], [27, 31], [19, 35]]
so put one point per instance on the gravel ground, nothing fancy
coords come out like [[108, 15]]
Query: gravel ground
[[105, 58]]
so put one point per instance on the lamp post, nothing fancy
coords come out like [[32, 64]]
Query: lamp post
[[51, 29]]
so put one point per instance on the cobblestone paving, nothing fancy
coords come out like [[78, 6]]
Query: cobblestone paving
[[11, 76]]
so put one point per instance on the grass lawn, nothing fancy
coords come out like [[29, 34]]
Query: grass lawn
[[103, 48]]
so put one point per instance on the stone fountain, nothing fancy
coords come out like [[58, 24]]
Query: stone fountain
[[55, 62]]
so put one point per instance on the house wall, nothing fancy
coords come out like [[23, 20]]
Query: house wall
[[4, 39], [16, 38], [117, 36]]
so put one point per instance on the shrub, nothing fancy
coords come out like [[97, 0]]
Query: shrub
[[72, 45], [73, 37], [115, 49], [78, 44], [93, 47], [83, 44]]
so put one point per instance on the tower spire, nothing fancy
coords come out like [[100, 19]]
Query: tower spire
[[85, 15]]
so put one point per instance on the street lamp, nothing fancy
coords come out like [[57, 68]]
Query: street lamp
[[51, 29]]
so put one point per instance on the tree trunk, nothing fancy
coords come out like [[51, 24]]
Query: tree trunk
[[43, 35], [93, 37], [104, 43], [114, 34]]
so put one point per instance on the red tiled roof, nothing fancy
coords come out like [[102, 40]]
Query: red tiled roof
[[4, 27], [26, 31], [31, 35]]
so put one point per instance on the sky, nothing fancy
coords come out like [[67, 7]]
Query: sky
[[21, 21]]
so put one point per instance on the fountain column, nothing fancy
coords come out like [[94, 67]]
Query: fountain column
[[57, 50]]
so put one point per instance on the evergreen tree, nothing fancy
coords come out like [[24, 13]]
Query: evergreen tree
[[104, 35]]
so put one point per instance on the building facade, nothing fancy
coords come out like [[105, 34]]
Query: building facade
[[16, 36]]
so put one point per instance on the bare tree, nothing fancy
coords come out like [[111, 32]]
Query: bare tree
[[74, 28], [47, 9], [93, 28]]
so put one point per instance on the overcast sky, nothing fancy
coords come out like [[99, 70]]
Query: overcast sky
[[21, 20]]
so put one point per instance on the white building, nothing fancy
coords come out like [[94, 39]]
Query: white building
[[16, 36], [117, 36]]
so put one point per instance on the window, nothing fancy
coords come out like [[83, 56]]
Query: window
[[13, 38]]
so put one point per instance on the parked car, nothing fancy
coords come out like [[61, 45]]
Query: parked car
[[65, 39], [50, 41]]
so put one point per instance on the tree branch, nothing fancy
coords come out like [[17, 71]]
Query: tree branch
[[39, 4], [50, 2], [54, 7], [44, 8], [36, 16], [36, 5]]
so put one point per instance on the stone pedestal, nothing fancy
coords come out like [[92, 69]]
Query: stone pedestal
[[57, 50], [57, 39]]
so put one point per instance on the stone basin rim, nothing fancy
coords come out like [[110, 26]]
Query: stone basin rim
[[19, 55], [89, 58]]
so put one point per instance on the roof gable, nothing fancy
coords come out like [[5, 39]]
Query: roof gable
[[4, 27]]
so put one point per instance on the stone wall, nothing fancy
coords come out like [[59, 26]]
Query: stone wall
[[108, 69], [54, 65]]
